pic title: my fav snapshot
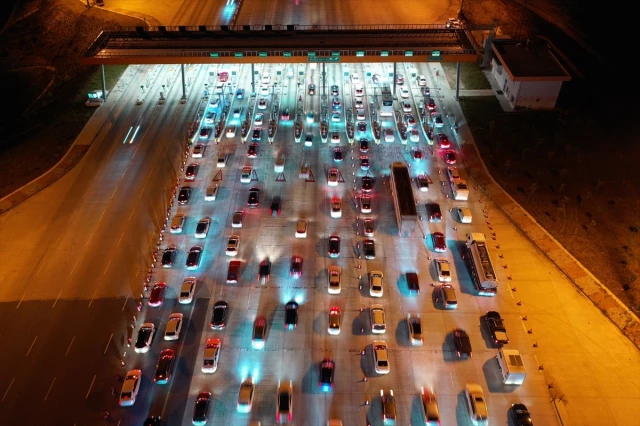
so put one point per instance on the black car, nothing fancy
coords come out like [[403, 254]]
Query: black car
[[193, 258], [367, 184], [153, 421], [201, 409], [369, 249], [337, 155], [433, 210], [276, 203], [520, 415], [205, 132], [425, 91], [257, 135], [291, 316], [254, 194], [335, 91], [312, 89], [219, 317], [264, 273], [364, 145], [169, 257], [252, 151], [327, 368], [334, 246], [497, 330], [413, 284], [362, 126], [184, 194], [164, 366], [462, 343]]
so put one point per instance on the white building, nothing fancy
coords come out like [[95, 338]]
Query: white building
[[529, 74]]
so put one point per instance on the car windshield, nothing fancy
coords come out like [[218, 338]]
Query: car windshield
[[259, 331], [218, 313], [290, 316], [417, 327]]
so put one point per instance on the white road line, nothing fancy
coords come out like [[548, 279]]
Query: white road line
[[125, 171], [54, 303], [133, 211], [124, 305], [32, 343], [85, 194], [120, 239], [89, 239], [105, 269], [74, 267], [102, 214], [50, 387], [69, 348], [90, 386], [21, 299], [40, 268], [107, 347], [7, 391], [92, 297], [114, 192]]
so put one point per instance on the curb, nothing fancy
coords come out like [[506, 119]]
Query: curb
[[589, 285]]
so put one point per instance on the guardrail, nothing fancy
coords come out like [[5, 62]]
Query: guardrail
[[285, 27]]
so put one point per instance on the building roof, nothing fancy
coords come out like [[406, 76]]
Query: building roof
[[529, 61]]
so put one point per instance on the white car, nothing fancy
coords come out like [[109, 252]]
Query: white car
[[264, 90], [257, 121], [212, 350], [389, 135], [336, 207], [334, 321], [222, 161], [174, 326], [262, 104], [187, 290], [444, 271], [233, 245], [231, 131], [378, 320], [422, 80], [464, 214], [310, 117], [355, 78], [414, 136], [404, 92], [278, 166], [335, 117], [301, 228], [334, 279], [335, 137], [266, 78], [360, 115], [245, 174], [236, 219], [198, 151], [245, 396], [365, 204], [211, 193], [130, 388], [477, 405], [375, 283], [381, 357], [333, 177], [406, 106]]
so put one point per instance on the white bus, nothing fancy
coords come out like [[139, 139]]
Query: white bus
[[482, 273], [403, 201], [386, 103]]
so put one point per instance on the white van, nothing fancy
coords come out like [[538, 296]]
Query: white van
[[460, 190], [212, 191], [177, 223], [511, 366], [219, 87], [464, 214], [358, 90]]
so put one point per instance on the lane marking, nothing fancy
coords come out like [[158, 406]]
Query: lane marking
[[69, 348], [107, 347], [103, 211], [89, 239], [121, 235], [132, 212], [50, 387], [107, 268], [40, 268], [21, 299], [74, 267], [92, 297], [54, 303], [125, 171], [114, 192], [124, 305], [7, 391], [32, 343], [90, 386]]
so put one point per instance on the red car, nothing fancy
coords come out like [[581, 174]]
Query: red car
[[450, 157], [224, 76], [157, 295], [439, 242], [431, 104], [417, 155], [443, 140], [296, 267]]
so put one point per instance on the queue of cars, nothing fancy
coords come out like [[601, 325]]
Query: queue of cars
[[367, 248]]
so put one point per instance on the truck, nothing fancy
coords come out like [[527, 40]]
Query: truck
[[403, 200], [479, 261], [511, 366]]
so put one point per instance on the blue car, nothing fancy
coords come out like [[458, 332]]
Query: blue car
[[240, 94]]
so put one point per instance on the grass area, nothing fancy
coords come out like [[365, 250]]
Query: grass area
[[94, 81], [563, 168], [471, 76]]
